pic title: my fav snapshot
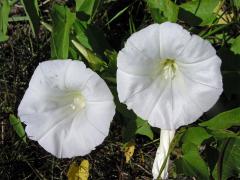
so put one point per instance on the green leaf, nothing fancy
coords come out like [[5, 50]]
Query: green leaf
[[86, 9], [32, 10], [195, 135], [236, 3], [62, 20], [112, 61], [129, 128], [231, 71], [163, 10], [136, 126], [220, 134], [224, 120], [211, 156], [143, 128], [117, 15], [203, 9], [18, 127], [47, 26], [80, 33], [3, 37], [110, 73], [4, 13], [73, 53], [127, 115], [229, 162], [236, 45], [18, 18], [79, 3], [94, 61], [91, 37], [191, 163]]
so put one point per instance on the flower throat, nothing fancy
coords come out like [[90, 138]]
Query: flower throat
[[168, 68], [78, 102]]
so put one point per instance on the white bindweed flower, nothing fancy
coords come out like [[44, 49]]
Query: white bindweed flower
[[168, 77], [67, 108]]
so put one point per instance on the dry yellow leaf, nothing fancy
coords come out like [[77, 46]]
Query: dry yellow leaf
[[80, 172], [72, 171], [129, 151]]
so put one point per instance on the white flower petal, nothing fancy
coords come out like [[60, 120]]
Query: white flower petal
[[96, 90], [172, 108], [130, 84], [98, 115], [132, 61], [83, 136], [50, 73], [169, 105], [39, 123], [52, 141], [205, 72], [41, 100], [77, 75], [67, 108], [196, 50], [173, 39], [145, 41], [144, 102], [202, 95], [186, 108]]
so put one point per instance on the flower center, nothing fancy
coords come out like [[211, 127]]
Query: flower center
[[78, 102], [168, 68]]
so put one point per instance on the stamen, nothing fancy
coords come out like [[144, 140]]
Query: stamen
[[168, 68], [78, 102]]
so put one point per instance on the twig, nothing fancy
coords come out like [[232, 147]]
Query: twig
[[149, 173]]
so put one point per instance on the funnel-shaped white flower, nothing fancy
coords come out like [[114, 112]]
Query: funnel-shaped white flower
[[168, 76], [67, 108]]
